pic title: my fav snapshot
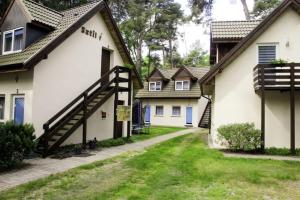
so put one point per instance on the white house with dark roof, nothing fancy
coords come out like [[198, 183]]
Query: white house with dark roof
[[172, 97], [257, 79], [63, 72]]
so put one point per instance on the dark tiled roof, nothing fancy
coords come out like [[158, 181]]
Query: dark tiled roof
[[43, 14], [168, 89], [167, 73], [198, 72], [69, 17], [232, 29]]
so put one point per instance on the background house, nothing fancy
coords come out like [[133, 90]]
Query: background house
[[172, 97], [51, 65], [236, 84]]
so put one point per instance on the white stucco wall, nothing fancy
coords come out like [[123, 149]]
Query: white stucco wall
[[167, 119], [235, 100], [69, 70], [10, 87]]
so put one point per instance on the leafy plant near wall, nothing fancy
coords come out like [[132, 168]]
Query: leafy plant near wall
[[279, 61], [280, 151], [240, 137], [16, 142]]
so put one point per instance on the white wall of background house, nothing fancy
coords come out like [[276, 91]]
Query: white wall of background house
[[234, 99], [168, 119]]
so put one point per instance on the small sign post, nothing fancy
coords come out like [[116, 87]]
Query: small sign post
[[123, 113]]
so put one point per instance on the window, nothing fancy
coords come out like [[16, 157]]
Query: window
[[182, 85], [13, 41], [155, 86], [266, 53], [176, 110], [159, 111], [2, 105]]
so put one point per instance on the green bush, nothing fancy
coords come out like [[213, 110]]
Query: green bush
[[280, 151], [240, 137], [113, 142], [16, 141]]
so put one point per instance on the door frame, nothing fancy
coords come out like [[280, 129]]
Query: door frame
[[186, 108], [147, 106], [110, 61], [120, 102], [14, 96]]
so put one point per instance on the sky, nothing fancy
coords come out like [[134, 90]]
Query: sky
[[222, 10]]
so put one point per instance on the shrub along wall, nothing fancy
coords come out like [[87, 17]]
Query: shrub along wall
[[240, 137], [16, 142]]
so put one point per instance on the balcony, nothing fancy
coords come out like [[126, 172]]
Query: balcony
[[277, 76], [281, 77]]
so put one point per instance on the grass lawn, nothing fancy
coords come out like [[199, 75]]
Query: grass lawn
[[181, 168], [156, 131]]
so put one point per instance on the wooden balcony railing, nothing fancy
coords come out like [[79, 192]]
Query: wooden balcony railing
[[277, 76]]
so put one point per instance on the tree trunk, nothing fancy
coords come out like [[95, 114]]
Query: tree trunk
[[149, 61], [171, 53], [246, 9], [139, 57]]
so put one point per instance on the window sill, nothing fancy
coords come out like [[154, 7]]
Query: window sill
[[11, 52], [176, 116], [158, 116]]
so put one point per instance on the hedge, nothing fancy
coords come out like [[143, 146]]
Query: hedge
[[16, 142]]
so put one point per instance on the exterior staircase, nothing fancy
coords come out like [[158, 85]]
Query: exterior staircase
[[206, 117], [62, 125]]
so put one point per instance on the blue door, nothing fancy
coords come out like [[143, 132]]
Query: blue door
[[189, 115], [147, 114], [19, 110]]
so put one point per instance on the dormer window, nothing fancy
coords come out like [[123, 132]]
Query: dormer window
[[155, 86], [182, 85], [13, 41]]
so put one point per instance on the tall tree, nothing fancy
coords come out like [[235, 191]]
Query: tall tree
[[197, 57], [169, 16], [200, 9], [263, 7], [246, 9]]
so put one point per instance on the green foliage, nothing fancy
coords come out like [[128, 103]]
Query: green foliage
[[149, 63], [239, 137], [16, 141], [263, 7], [280, 151], [113, 142], [200, 9], [279, 61], [197, 57]]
